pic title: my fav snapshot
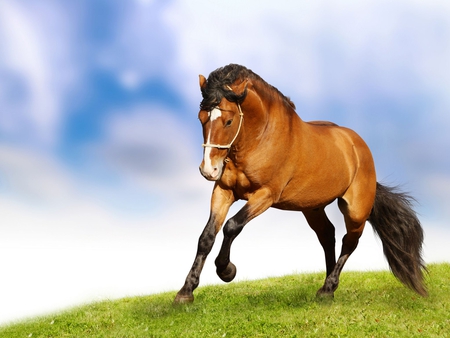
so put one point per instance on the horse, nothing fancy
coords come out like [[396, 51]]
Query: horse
[[256, 148]]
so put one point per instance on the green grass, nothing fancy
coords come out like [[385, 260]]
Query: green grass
[[367, 304]]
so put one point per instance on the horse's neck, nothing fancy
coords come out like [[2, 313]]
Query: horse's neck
[[271, 120]]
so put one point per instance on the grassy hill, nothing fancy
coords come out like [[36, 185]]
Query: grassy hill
[[367, 304]]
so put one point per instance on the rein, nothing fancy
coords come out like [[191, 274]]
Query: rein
[[228, 146]]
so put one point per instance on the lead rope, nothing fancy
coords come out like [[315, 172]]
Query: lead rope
[[228, 146]]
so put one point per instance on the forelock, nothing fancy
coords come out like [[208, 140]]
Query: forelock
[[216, 86]]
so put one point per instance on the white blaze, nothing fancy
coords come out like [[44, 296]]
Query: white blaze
[[215, 114], [208, 167]]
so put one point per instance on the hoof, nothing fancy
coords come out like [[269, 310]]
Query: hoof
[[183, 299], [227, 274]]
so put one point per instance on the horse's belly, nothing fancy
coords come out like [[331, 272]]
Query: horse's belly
[[303, 204], [313, 193]]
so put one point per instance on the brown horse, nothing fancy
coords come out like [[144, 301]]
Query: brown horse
[[258, 149]]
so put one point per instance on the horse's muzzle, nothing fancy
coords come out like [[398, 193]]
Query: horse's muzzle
[[211, 173]]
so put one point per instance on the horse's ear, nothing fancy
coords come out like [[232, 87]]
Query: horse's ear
[[202, 81]]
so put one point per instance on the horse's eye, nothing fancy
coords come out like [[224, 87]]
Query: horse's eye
[[228, 123]]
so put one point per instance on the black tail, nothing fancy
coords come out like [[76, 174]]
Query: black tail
[[399, 229]]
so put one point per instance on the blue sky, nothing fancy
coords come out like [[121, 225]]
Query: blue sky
[[100, 194]]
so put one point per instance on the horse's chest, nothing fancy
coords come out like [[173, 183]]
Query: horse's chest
[[237, 181], [243, 187]]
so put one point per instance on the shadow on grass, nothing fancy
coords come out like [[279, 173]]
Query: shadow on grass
[[284, 292]]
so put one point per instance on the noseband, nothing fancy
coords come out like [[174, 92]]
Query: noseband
[[228, 146]]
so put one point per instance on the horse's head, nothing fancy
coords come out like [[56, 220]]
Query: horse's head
[[221, 118]]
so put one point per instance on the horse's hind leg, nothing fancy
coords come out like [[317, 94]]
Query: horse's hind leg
[[324, 229], [355, 216], [349, 244]]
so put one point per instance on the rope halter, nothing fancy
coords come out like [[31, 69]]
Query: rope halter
[[228, 146]]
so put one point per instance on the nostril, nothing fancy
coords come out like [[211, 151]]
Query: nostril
[[215, 172]]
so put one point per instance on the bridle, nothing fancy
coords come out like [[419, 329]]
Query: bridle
[[228, 146]]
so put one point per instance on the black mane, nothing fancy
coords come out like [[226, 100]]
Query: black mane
[[218, 80]]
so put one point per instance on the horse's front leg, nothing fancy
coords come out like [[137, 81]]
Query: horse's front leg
[[221, 201], [259, 202]]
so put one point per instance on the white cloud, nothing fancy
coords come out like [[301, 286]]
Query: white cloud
[[153, 148], [80, 252], [35, 176]]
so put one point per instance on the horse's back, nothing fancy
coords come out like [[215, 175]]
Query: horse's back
[[326, 159], [323, 123]]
